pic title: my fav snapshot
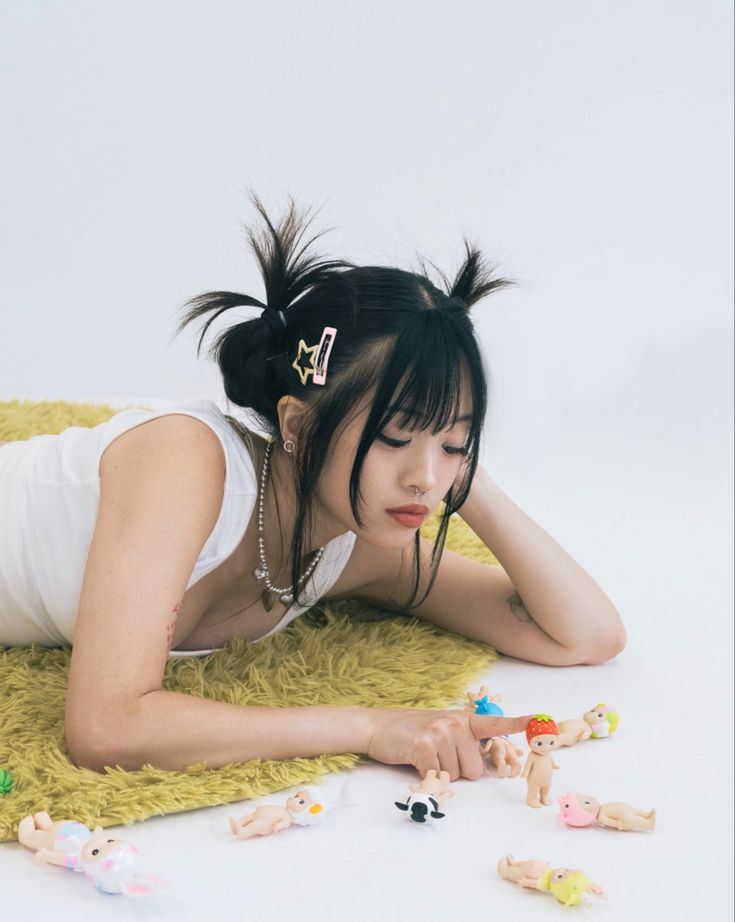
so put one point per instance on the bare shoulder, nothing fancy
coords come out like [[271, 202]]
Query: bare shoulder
[[155, 440]]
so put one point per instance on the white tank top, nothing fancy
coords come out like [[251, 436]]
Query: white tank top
[[49, 498]]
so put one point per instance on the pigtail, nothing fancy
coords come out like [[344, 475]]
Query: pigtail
[[245, 351], [474, 279]]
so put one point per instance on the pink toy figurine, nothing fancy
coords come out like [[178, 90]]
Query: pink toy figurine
[[597, 723], [110, 863], [582, 810], [541, 733], [424, 799], [300, 809]]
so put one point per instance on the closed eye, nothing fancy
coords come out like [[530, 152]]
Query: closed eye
[[398, 443]]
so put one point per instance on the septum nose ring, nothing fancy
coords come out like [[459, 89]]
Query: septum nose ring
[[419, 493]]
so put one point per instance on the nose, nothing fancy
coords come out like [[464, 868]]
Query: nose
[[421, 472]]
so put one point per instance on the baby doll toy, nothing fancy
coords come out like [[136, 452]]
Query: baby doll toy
[[424, 799], [541, 733], [596, 724], [568, 886], [482, 702], [110, 863], [503, 756], [582, 810], [301, 809]]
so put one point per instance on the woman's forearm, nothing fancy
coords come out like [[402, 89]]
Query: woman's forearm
[[552, 587], [171, 730]]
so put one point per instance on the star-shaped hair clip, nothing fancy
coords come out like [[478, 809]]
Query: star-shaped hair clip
[[317, 357]]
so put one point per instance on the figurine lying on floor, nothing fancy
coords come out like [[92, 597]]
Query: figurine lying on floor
[[568, 886], [583, 810], [425, 797], [108, 862], [300, 809], [596, 724]]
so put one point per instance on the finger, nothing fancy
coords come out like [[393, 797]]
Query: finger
[[469, 758], [483, 725], [425, 758], [448, 759]]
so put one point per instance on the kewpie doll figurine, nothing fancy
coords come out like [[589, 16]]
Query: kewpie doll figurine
[[568, 886], [107, 861], [300, 809], [582, 810], [482, 702], [541, 733], [504, 756], [425, 797], [598, 723]]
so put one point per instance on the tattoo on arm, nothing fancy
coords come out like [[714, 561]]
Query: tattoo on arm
[[171, 627], [519, 609]]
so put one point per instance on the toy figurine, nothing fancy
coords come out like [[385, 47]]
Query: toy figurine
[[568, 886], [598, 723], [425, 797], [301, 809], [6, 781], [482, 702], [503, 756], [107, 861], [582, 810], [541, 733]]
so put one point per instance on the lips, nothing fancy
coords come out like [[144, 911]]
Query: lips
[[409, 516], [412, 509]]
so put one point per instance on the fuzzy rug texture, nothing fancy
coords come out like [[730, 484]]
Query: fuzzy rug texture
[[345, 653]]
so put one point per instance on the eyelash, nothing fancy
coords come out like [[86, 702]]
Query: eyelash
[[395, 443]]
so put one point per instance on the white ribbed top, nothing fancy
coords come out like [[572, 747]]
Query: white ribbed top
[[49, 498]]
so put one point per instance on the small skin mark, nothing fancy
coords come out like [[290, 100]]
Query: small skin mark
[[171, 627], [519, 609]]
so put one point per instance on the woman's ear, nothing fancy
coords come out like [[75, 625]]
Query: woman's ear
[[291, 412]]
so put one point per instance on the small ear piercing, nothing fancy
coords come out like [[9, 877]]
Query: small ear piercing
[[289, 445]]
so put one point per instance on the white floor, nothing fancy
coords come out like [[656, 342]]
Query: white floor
[[650, 520]]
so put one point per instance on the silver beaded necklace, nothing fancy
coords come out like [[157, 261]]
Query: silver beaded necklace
[[261, 572]]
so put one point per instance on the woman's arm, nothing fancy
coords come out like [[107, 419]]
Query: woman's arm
[[538, 605], [549, 587], [160, 494]]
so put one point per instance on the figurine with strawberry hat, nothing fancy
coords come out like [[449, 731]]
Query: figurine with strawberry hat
[[541, 733]]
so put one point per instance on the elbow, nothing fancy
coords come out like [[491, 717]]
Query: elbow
[[97, 748], [606, 645]]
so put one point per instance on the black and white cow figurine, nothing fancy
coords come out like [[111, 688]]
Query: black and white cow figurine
[[424, 800]]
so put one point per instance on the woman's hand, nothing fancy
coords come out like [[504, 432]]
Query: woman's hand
[[442, 740]]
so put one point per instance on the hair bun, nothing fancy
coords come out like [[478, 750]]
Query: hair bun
[[276, 320]]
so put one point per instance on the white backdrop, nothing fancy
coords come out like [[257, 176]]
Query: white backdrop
[[586, 147]]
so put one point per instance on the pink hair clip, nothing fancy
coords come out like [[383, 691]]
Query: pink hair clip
[[322, 354]]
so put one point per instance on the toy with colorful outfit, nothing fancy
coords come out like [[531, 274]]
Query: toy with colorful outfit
[[503, 755], [596, 724], [110, 863], [567, 885], [301, 809], [541, 733], [583, 810], [425, 797]]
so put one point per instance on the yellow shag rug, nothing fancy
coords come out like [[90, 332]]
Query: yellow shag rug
[[337, 654]]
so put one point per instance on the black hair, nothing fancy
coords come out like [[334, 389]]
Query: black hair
[[399, 335]]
